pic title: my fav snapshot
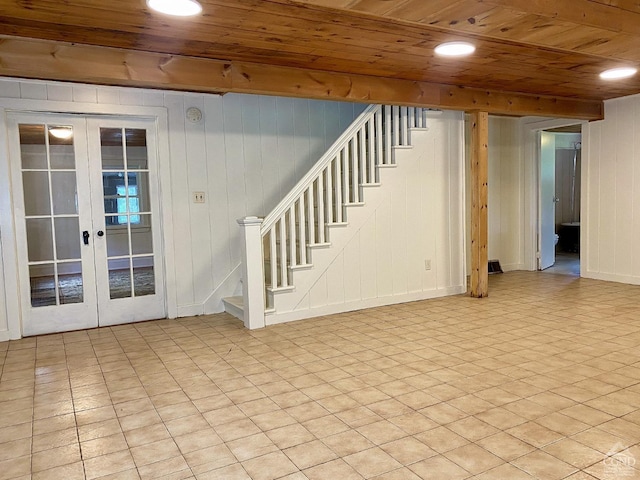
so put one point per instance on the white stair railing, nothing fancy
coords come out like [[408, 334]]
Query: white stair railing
[[319, 200]]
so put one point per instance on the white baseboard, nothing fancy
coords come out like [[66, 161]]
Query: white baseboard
[[190, 310], [512, 267], [5, 336], [611, 277], [276, 318]]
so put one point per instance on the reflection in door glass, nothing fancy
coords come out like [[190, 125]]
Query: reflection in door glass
[[143, 276], [119, 278], [43, 287], [111, 148], [51, 214], [70, 283]]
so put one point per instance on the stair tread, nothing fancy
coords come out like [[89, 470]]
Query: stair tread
[[237, 301]]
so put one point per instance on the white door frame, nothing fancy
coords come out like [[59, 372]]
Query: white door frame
[[531, 157], [7, 226]]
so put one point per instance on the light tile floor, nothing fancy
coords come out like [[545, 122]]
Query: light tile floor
[[540, 380]]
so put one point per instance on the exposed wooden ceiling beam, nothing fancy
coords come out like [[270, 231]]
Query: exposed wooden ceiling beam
[[110, 66]]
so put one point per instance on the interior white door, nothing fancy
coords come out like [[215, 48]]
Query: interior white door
[[547, 201], [86, 211], [53, 221]]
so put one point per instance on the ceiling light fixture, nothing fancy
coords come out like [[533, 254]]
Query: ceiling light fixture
[[455, 49], [177, 8], [616, 73], [62, 133]]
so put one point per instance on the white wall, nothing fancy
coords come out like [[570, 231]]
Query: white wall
[[505, 192], [245, 155], [417, 215], [610, 217]]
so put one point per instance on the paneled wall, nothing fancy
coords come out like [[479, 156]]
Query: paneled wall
[[245, 154], [505, 193], [610, 218], [412, 245]]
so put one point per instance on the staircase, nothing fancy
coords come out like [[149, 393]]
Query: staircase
[[283, 252]]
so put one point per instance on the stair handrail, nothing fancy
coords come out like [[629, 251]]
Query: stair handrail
[[295, 193]]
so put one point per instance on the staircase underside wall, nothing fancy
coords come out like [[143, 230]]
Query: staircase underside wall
[[408, 242]]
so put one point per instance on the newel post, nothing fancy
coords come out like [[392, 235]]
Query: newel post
[[252, 272]]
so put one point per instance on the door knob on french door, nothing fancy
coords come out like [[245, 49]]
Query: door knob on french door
[[85, 237], [100, 233]]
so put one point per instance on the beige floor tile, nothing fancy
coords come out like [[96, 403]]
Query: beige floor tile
[[542, 465], [372, 462], [108, 464], [504, 472], [408, 450], [272, 465], [347, 443], [441, 439], [72, 471], [174, 468], [55, 457], [574, 453], [197, 440], [154, 452], [381, 432], [438, 468], [535, 434], [307, 455], [252, 446], [505, 446], [15, 468], [231, 472], [103, 445], [500, 418], [472, 428], [290, 436], [333, 469], [473, 458]]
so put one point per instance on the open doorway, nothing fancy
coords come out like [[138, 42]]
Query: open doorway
[[559, 200]]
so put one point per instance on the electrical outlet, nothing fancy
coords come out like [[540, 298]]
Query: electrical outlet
[[427, 264], [198, 197]]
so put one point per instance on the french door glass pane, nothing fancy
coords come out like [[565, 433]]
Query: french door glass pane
[[51, 214], [70, 287], [36, 193], [43, 286], [33, 147], [39, 239], [119, 278], [111, 148], [128, 215], [143, 276], [67, 238], [136, 149]]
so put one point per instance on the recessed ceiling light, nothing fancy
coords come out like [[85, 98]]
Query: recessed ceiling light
[[177, 8], [455, 49], [61, 132], [615, 73]]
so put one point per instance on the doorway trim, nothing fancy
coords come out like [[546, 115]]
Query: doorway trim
[[159, 115], [531, 160]]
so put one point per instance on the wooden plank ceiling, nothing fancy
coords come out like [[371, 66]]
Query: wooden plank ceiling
[[532, 57]]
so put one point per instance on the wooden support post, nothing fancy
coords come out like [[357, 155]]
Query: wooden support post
[[479, 196]]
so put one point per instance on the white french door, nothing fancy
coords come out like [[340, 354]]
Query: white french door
[[87, 221]]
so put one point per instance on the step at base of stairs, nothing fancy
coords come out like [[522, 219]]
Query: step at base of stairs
[[388, 165], [403, 147], [354, 204], [337, 224], [234, 306], [377, 184]]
